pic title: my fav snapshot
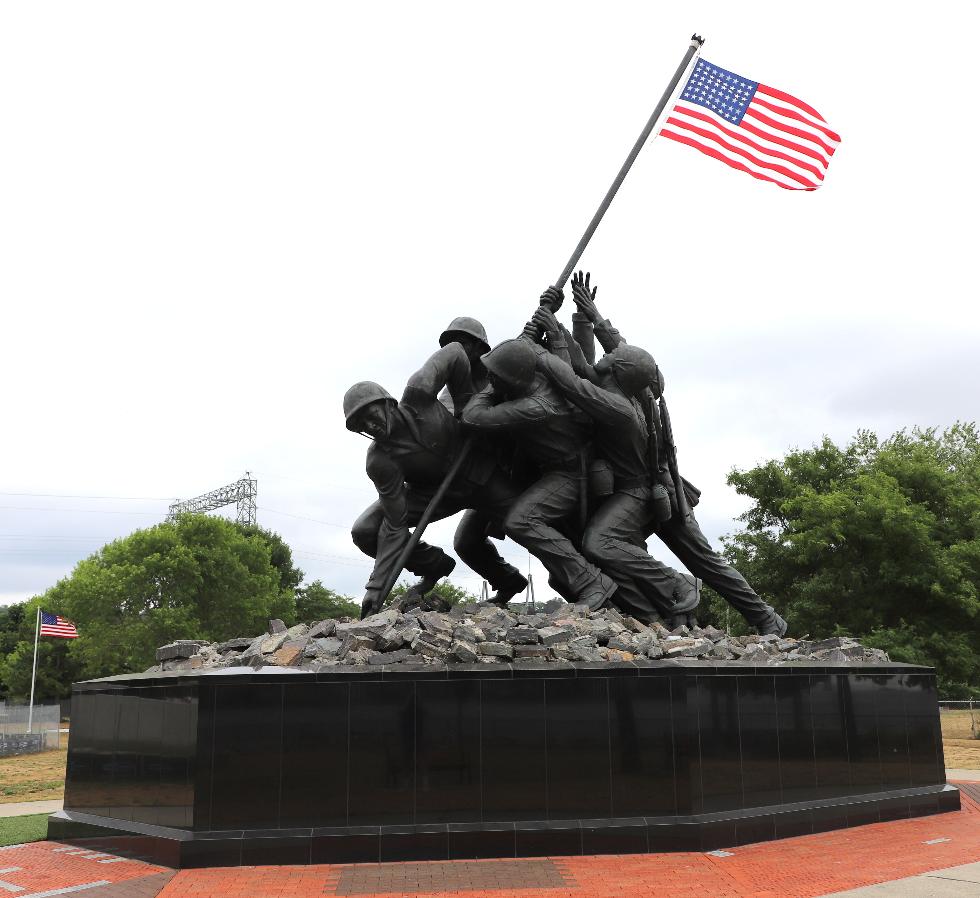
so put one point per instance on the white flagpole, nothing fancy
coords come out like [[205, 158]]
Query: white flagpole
[[37, 631]]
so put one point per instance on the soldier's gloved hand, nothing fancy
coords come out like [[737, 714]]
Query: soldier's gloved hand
[[584, 296], [552, 298], [544, 319]]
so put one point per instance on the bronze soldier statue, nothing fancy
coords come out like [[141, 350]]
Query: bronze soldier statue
[[520, 401], [681, 533], [477, 524], [615, 536], [415, 443]]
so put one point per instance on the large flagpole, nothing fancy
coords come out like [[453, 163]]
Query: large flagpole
[[693, 49], [37, 631]]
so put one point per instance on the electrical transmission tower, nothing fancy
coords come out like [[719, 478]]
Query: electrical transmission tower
[[241, 493]]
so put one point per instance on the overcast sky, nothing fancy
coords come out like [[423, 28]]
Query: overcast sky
[[215, 217]]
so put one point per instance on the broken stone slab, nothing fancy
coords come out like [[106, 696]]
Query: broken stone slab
[[464, 652], [376, 623], [540, 652], [287, 656], [522, 635], [323, 628], [276, 626], [391, 657], [555, 635], [701, 647], [496, 649], [390, 640], [622, 642], [273, 643], [182, 648], [328, 645], [466, 633], [356, 642], [234, 645], [434, 622]]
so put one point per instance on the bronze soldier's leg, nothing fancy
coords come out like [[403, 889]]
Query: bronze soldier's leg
[[476, 551], [614, 541], [685, 539], [370, 529], [530, 523]]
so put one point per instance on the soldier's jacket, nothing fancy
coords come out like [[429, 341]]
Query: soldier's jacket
[[425, 437], [609, 338], [621, 437], [548, 430]]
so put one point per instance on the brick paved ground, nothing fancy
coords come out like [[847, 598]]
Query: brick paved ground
[[804, 867]]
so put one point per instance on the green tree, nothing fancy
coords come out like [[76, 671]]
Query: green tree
[[200, 577], [876, 539], [314, 602], [446, 590], [280, 555]]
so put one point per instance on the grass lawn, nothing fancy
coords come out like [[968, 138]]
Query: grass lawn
[[15, 830], [35, 777]]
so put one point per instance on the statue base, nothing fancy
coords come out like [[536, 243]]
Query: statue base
[[238, 767]]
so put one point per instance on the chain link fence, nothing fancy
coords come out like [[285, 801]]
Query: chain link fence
[[16, 738]]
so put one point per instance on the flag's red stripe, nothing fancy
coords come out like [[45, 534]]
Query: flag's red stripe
[[739, 136], [787, 129], [783, 142], [788, 98], [793, 114], [710, 135], [737, 165]]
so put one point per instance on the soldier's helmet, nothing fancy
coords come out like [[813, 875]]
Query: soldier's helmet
[[359, 396], [514, 362], [464, 325], [636, 370]]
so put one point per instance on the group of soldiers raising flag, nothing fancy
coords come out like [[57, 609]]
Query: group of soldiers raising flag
[[537, 440]]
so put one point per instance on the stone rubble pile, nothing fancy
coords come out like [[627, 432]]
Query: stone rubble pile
[[488, 634]]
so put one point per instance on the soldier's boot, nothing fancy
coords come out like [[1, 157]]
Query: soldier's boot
[[514, 584], [596, 594], [772, 625], [687, 597], [416, 594]]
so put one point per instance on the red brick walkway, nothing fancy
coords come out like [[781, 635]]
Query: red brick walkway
[[804, 867]]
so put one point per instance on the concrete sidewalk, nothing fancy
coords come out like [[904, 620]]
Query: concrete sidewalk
[[953, 882], [23, 808], [966, 776]]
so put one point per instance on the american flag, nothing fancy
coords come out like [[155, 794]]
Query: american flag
[[53, 625], [762, 131]]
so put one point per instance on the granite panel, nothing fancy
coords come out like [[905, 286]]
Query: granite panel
[[641, 747], [514, 750], [447, 751], [315, 744], [247, 750], [382, 753], [577, 755]]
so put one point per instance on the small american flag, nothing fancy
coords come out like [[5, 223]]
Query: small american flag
[[53, 625], [762, 131]]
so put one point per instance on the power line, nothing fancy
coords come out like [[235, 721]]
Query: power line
[[80, 510], [79, 496], [304, 518]]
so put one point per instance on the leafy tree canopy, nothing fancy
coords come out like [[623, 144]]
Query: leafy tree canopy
[[200, 577], [314, 602], [876, 539]]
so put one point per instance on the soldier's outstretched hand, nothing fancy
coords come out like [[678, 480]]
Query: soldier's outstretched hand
[[584, 296]]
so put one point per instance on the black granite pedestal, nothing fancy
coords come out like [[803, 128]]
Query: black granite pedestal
[[476, 761]]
